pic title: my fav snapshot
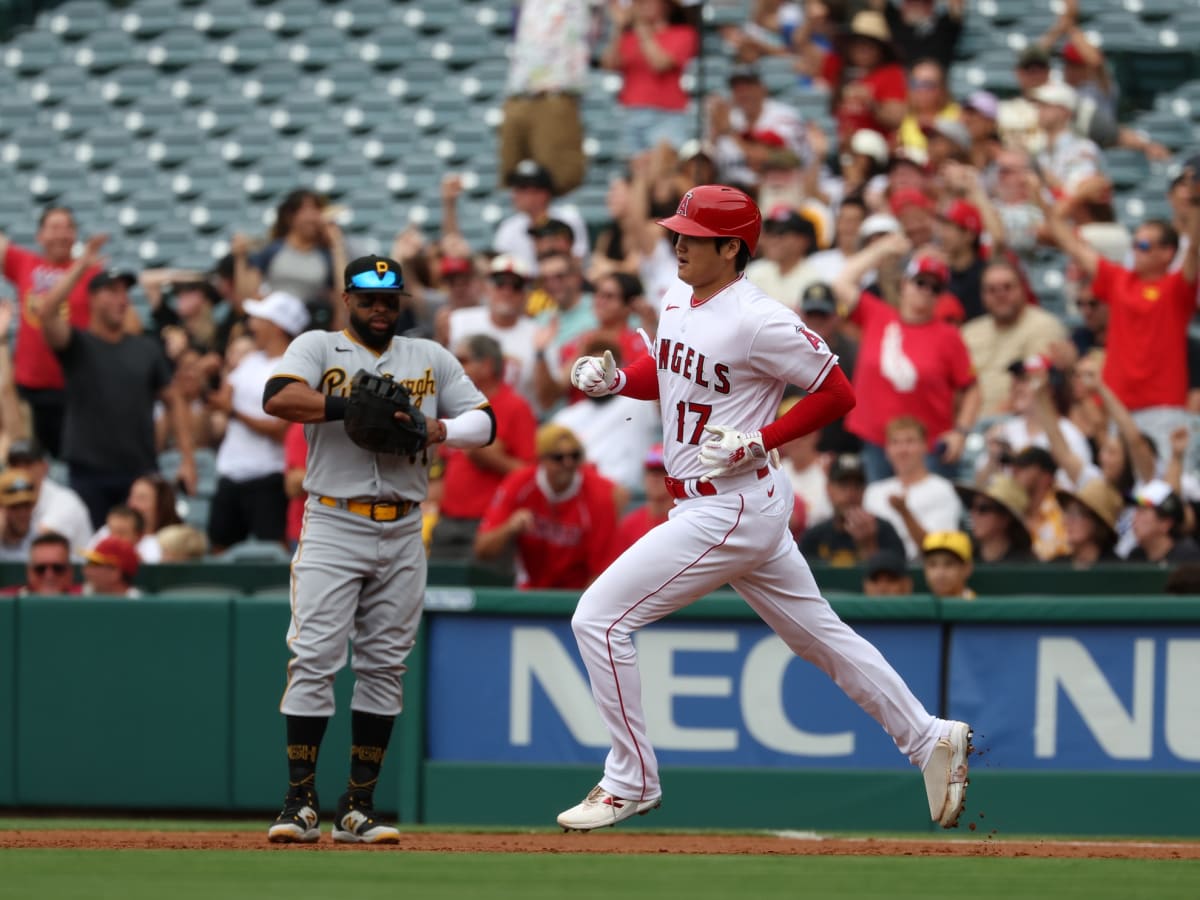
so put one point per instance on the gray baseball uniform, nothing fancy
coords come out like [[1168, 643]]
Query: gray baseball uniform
[[359, 569]]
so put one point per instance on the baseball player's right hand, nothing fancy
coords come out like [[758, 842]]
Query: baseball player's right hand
[[595, 376]]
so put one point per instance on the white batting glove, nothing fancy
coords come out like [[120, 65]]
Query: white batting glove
[[730, 451], [596, 376]]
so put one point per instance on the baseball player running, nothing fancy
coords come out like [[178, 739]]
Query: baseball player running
[[724, 352], [359, 569]]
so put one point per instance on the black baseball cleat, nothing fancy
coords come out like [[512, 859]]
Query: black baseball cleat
[[355, 822], [299, 822]]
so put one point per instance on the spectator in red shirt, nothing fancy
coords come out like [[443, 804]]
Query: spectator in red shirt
[[653, 512], [1149, 309], [560, 514], [650, 45], [910, 363], [295, 465], [869, 88], [37, 373], [472, 476]]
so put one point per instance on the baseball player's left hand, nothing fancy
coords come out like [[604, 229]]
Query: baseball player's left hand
[[729, 450], [436, 427]]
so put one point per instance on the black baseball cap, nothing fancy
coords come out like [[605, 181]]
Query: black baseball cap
[[102, 280], [24, 452], [531, 173], [374, 274], [785, 220], [1033, 55], [744, 72], [847, 467], [552, 228], [1035, 456], [885, 562], [818, 298]]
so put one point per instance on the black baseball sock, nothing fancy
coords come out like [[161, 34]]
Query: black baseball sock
[[369, 736], [304, 734]]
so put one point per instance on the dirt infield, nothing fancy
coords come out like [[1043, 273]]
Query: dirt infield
[[608, 842]]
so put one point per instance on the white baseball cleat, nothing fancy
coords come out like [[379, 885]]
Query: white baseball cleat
[[600, 809], [356, 825], [299, 822], [946, 775]]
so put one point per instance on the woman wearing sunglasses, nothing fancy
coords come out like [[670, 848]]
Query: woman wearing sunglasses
[[909, 363], [996, 516]]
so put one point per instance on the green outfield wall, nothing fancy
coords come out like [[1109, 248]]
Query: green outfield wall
[[170, 703]]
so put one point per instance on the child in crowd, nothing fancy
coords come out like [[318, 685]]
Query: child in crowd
[[947, 558]]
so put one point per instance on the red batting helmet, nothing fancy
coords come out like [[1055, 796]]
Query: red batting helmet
[[715, 210]]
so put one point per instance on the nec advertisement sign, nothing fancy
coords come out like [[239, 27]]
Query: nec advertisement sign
[[1099, 698], [715, 694], [1081, 697]]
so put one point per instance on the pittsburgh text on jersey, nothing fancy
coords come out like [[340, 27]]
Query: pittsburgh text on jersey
[[336, 381]]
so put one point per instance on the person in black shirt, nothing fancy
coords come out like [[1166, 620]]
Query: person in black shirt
[[113, 380], [1090, 517], [852, 534], [997, 521], [919, 29], [1157, 521]]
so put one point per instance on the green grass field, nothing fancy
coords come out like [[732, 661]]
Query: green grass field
[[301, 875], [184, 875]]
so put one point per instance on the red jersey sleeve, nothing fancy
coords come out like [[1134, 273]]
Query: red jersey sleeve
[[640, 380]]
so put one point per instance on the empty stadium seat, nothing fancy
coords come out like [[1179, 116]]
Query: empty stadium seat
[[218, 18], [149, 18], [175, 49], [77, 20]]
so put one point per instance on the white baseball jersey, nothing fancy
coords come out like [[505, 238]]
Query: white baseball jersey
[[326, 361], [726, 361]]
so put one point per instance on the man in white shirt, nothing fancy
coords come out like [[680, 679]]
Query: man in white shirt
[[788, 239], [914, 501], [250, 501], [503, 318], [58, 508], [749, 109], [532, 189], [1066, 158]]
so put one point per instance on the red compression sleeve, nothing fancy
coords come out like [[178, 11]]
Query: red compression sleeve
[[640, 380], [828, 403]]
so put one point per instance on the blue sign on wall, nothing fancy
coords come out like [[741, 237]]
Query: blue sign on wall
[[1089, 697], [715, 694]]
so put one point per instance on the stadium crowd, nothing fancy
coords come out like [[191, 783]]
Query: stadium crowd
[[993, 425]]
